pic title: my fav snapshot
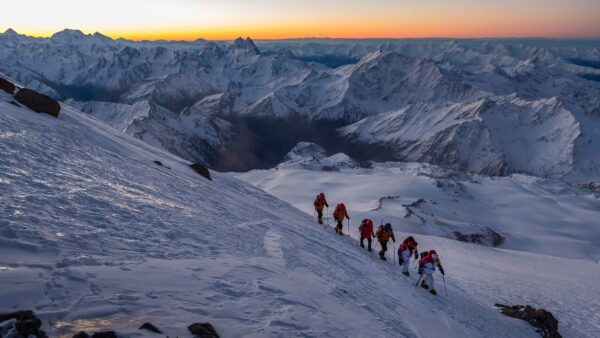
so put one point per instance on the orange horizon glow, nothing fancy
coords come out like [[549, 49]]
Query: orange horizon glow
[[270, 19]]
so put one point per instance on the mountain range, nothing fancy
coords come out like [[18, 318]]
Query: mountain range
[[479, 106]]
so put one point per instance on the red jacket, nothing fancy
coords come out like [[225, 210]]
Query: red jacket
[[408, 243], [366, 230]]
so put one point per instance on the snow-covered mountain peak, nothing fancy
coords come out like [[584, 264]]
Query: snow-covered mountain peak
[[68, 34], [305, 150], [10, 31], [240, 45], [308, 155]]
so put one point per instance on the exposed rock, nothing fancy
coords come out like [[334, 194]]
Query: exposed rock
[[591, 186], [26, 323], [28, 326], [105, 334], [7, 86], [495, 239], [202, 170], [203, 330], [159, 163], [150, 327], [81, 334], [37, 102], [18, 315], [543, 320]]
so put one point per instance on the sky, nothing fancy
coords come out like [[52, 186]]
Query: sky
[[274, 19]]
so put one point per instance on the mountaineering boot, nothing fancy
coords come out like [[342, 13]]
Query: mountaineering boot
[[433, 292], [320, 221], [424, 286], [382, 258], [369, 249], [406, 273], [362, 245]]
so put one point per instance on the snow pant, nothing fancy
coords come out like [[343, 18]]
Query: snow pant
[[383, 248], [428, 279], [362, 239], [405, 260], [339, 227], [319, 216]]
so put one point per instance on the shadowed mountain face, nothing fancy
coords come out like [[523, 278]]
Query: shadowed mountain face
[[489, 107]]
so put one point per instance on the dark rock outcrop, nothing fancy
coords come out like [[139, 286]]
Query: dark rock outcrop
[[105, 334], [7, 86], [26, 323], [37, 102], [202, 170], [541, 319], [81, 334], [150, 327], [203, 330]]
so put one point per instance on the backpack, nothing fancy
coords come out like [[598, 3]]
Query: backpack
[[362, 225]]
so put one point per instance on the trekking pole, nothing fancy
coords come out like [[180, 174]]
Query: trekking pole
[[446, 290], [348, 227], [421, 276], [395, 253]]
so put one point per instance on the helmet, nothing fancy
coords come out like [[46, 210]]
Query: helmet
[[433, 255], [321, 195], [388, 226], [369, 222], [342, 206]]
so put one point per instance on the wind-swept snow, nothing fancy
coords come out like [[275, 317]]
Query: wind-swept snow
[[95, 234], [554, 227]]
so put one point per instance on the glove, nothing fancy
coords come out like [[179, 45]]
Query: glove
[[416, 255], [442, 271]]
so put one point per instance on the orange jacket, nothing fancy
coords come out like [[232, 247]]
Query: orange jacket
[[384, 235], [320, 202], [340, 213]]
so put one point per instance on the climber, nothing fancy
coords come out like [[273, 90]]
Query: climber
[[366, 232], [320, 203], [339, 214], [383, 234], [405, 251], [427, 268]]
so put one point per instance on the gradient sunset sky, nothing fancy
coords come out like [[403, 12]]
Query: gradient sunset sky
[[273, 19]]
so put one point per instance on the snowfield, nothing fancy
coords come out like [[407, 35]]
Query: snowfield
[[550, 248], [94, 234]]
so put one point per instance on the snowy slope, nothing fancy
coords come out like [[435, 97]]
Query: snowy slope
[[94, 234], [490, 136], [553, 227], [529, 213]]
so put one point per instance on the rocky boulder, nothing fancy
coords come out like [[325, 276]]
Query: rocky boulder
[[25, 323], [150, 327], [203, 330], [541, 319], [202, 170], [37, 102], [7, 86], [105, 334]]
